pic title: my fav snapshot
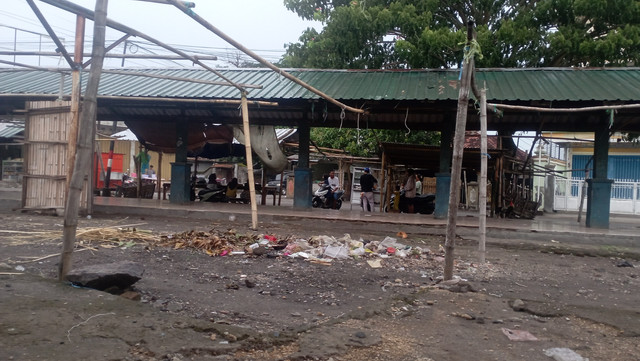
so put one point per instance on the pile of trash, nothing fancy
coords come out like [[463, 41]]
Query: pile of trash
[[327, 248], [318, 249], [213, 243]]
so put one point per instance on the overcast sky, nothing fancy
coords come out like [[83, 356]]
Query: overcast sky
[[264, 26]]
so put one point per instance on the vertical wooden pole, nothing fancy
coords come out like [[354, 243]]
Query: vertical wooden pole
[[139, 170], [247, 145], [458, 148], [85, 143], [107, 179], [482, 201], [159, 174], [383, 192], [75, 98]]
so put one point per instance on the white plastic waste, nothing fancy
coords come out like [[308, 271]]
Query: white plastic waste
[[564, 354], [339, 252]]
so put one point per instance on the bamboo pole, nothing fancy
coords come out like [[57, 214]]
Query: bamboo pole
[[383, 192], [456, 164], [71, 7], [259, 59], [482, 195], [109, 48], [52, 34], [85, 148], [177, 78], [76, 91], [106, 192], [247, 146], [112, 55], [159, 174], [563, 110]]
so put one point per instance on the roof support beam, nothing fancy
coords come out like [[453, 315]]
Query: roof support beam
[[177, 78], [79, 10], [119, 56], [52, 34], [259, 59], [108, 49]]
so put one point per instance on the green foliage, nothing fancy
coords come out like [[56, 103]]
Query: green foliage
[[366, 142], [395, 34]]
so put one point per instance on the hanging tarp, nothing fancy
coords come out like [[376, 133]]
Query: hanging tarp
[[265, 145], [161, 136]]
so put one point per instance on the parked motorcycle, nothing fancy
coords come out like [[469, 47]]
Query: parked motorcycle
[[423, 204], [320, 198], [213, 195]]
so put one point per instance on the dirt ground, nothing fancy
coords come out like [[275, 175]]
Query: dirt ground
[[194, 306]]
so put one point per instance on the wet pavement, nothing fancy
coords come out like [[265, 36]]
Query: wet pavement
[[624, 230], [622, 227]]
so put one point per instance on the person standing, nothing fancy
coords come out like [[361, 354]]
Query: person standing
[[334, 183], [418, 184], [367, 184], [151, 172], [410, 190]]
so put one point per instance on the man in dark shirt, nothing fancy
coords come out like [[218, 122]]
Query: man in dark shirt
[[367, 184]]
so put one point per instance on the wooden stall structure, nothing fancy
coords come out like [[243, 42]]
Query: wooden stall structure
[[47, 129]]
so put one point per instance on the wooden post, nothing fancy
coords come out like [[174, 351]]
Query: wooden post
[[75, 98], [159, 174], [482, 196], [383, 193], [107, 179], [458, 148], [139, 170], [247, 146], [85, 148]]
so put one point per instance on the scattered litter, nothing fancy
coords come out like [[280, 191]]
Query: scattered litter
[[20, 268], [338, 252], [518, 335], [401, 234], [624, 263], [466, 316], [564, 354], [375, 263], [325, 262]]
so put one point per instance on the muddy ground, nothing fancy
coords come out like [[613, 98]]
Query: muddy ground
[[194, 306]]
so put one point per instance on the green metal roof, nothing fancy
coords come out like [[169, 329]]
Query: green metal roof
[[10, 130], [504, 85]]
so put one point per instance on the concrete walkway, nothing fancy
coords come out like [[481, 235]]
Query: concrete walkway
[[624, 230], [558, 223]]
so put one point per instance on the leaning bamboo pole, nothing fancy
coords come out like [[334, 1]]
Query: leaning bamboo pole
[[249, 156], [258, 58], [76, 9], [85, 141]]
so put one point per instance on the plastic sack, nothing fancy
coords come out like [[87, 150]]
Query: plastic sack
[[338, 252], [564, 354]]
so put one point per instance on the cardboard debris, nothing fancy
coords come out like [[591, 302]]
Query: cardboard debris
[[518, 335]]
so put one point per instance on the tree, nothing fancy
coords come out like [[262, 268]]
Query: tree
[[379, 34], [365, 142]]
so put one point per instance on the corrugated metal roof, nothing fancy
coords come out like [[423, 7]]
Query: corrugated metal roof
[[10, 130], [541, 84]]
